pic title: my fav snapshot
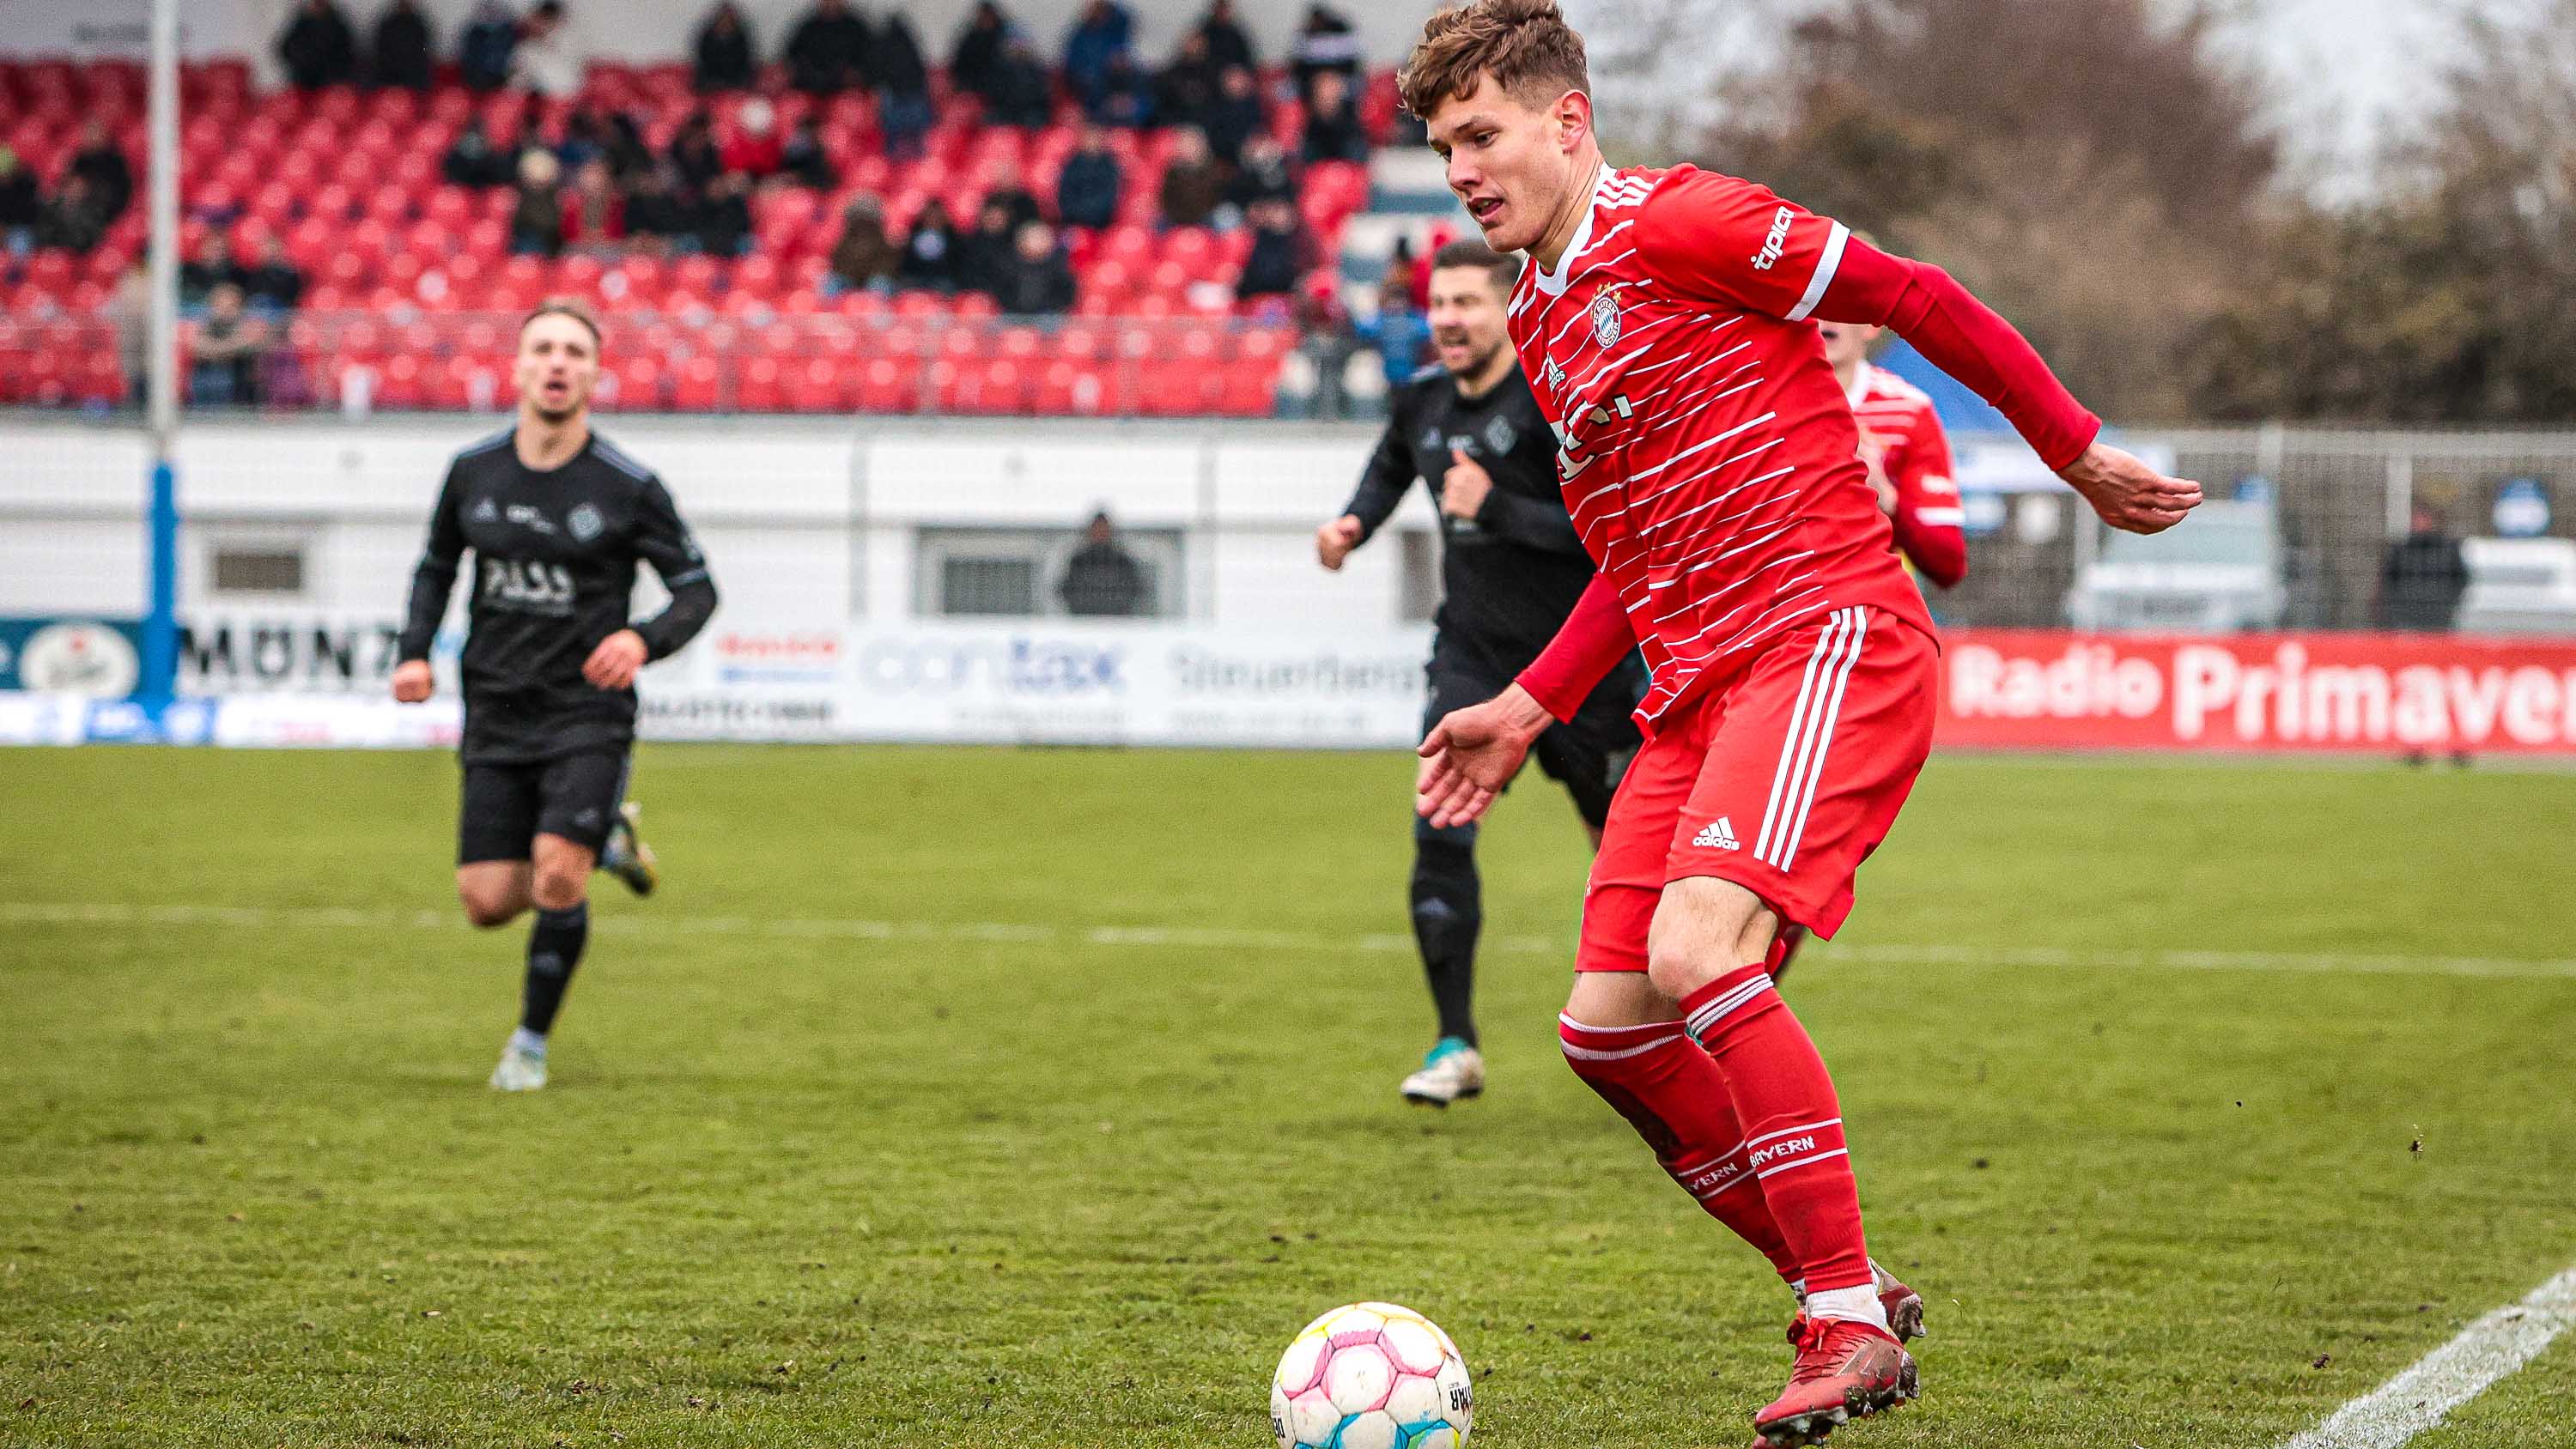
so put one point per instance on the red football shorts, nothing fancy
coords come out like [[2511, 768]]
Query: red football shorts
[[1781, 779]]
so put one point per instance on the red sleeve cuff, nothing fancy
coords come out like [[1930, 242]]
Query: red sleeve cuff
[[1592, 641]]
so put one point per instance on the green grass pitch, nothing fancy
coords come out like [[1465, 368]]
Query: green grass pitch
[[987, 1097]]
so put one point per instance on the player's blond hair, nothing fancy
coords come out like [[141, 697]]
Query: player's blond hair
[[1525, 45]]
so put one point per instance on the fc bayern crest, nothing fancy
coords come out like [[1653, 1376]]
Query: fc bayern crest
[[1605, 319]]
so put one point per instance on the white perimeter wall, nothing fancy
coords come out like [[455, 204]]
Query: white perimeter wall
[[807, 523]]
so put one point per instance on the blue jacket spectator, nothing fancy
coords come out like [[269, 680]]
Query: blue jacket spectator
[[901, 79], [490, 42], [1126, 97], [1089, 189], [1102, 34]]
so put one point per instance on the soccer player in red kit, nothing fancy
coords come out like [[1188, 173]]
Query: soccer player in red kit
[[1711, 465], [1906, 453]]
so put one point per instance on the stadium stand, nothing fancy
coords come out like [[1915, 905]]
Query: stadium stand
[[408, 279]]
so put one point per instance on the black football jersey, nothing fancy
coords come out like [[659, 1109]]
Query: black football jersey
[[1511, 574], [553, 574]]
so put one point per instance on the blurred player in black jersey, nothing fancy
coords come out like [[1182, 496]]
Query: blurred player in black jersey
[[1511, 569], [557, 518]]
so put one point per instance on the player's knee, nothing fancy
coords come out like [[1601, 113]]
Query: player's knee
[[1702, 930], [560, 887], [485, 909]]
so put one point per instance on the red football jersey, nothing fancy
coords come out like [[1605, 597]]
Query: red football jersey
[[1707, 452], [1897, 419]]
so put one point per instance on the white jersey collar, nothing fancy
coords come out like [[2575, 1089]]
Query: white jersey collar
[[1555, 286]]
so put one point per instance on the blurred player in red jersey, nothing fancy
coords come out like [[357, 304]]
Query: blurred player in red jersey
[[1906, 453], [1908, 458], [1711, 465]]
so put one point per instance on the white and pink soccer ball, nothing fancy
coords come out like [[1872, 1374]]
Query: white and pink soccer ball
[[1371, 1376]]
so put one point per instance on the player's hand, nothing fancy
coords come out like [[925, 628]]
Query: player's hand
[[1335, 540], [1472, 753], [2128, 494], [1873, 456], [1464, 487], [613, 664], [413, 681]]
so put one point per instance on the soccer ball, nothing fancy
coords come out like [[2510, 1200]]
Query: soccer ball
[[1371, 1376]]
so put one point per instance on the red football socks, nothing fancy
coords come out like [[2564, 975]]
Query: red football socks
[[1672, 1093], [1791, 1123]]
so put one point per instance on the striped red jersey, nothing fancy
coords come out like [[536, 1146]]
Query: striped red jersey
[[1897, 419], [1707, 452]]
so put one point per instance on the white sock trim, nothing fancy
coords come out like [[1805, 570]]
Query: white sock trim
[[1852, 1305]]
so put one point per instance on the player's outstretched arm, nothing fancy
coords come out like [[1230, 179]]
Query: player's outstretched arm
[[1970, 341]]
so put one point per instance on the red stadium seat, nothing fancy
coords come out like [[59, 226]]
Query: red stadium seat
[[698, 388], [890, 385], [760, 386], [819, 385]]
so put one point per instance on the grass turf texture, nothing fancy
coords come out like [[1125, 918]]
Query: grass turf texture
[[798, 1186]]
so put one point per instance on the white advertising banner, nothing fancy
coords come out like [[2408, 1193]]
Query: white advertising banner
[[315, 683]]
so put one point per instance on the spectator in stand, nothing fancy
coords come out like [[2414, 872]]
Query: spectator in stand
[[537, 219], [901, 79], [654, 214], [1326, 42], [1015, 197], [827, 52], [807, 161], [75, 217], [1023, 95], [224, 349], [756, 149], [318, 47], [102, 163], [931, 250], [1400, 331], [1126, 96], [1101, 33], [594, 215], [724, 216], [1089, 188], [2423, 577], [1102, 580], [213, 266], [625, 149], [864, 257], [695, 161], [1185, 93], [1263, 174], [1279, 257], [975, 65], [473, 160], [725, 59], [1227, 41], [22, 204], [1333, 129], [401, 53], [484, 51], [1239, 114], [274, 285], [1037, 281], [1193, 181], [585, 139], [984, 257], [543, 64]]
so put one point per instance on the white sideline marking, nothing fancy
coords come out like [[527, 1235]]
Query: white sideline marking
[[2485, 1351], [1218, 938]]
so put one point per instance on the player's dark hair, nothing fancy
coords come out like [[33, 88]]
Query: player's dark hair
[[1502, 270], [563, 307], [1525, 45]]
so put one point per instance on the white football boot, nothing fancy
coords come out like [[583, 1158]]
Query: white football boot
[[1451, 1071], [521, 1070]]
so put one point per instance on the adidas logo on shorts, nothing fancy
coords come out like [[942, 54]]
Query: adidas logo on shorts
[[1720, 835]]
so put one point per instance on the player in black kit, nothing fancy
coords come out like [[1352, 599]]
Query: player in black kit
[[557, 518], [1511, 569]]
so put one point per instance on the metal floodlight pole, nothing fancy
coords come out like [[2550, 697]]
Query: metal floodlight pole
[[161, 623]]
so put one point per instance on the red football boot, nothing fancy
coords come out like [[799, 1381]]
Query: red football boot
[[1903, 1306], [1845, 1371]]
